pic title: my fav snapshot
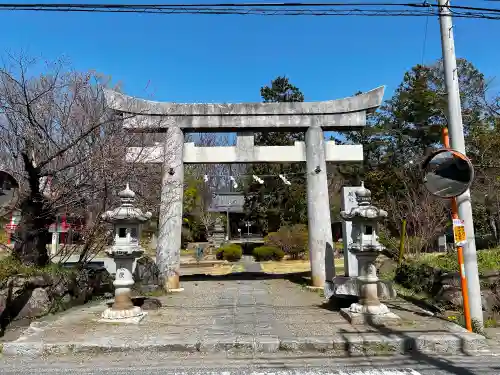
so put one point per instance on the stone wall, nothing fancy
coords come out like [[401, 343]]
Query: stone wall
[[445, 287], [28, 297]]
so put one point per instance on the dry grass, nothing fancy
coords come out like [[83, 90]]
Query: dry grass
[[237, 268], [225, 269], [294, 266], [215, 270]]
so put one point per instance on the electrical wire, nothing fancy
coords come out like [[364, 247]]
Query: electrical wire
[[269, 9], [424, 44]]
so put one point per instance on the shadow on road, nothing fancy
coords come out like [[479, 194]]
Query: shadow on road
[[414, 353], [335, 304], [302, 278]]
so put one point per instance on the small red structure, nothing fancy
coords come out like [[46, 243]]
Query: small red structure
[[61, 226], [66, 231], [10, 228]]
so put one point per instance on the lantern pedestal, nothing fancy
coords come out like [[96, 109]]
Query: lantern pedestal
[[378, 315], [128, 316], [347, 287], [123, 310], [369, 309]]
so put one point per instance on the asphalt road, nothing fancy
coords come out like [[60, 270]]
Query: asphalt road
[[442, 185], [162, 364]]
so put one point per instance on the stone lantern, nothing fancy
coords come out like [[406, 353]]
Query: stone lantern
[[366, 247], [126, 221]]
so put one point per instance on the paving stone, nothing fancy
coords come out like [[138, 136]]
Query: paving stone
[[267, 344], [241, 316], [211, 344], [307, 344]]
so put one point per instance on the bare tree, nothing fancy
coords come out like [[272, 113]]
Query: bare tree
[[207, 218], [66, 149], [217, 177], [218, 173], [426, 215]]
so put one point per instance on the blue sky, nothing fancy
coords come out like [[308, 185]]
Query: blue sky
[[200, 58]]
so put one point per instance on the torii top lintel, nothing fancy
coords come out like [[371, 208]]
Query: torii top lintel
[[341, 114]]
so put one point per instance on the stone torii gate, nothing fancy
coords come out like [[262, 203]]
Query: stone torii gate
[[244, 119]]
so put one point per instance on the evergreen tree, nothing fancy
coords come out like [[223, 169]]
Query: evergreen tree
[[275, 204]]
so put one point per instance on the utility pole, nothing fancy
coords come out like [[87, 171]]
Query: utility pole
[[456, 132]]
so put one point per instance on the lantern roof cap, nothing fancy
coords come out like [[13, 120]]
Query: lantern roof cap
[[126, 212]]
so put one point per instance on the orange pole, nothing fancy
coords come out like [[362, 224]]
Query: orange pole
[[460, 249]]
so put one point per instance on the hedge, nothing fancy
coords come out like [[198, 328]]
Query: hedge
[[263, 253], [230, 252]]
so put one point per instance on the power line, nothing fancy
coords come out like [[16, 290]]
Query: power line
[[424, 44], [269, 9], [425, 4]]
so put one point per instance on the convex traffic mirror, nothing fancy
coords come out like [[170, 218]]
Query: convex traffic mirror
[[447, 173]]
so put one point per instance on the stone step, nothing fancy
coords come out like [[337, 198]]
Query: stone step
[[336, 346]]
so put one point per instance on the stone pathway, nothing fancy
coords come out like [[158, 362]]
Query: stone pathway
[[242, 315], [248, 261]]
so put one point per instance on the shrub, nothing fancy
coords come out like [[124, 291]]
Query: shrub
[[229, 252], [9, 266], [417, 277], [293, 240], [413, 244], [487, 260], [263, 253], [219, 253], [4, 237]]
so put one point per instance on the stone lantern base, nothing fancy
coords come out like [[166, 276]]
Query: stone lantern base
[[369, 310], [123, 309], [363, 314], [129, 316]]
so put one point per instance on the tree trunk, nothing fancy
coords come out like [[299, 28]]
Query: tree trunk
[[32, 234]]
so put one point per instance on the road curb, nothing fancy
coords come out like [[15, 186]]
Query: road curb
[[338, 345]]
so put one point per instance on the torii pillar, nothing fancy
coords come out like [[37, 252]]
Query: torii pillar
[[170, 223], [321, 250]]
